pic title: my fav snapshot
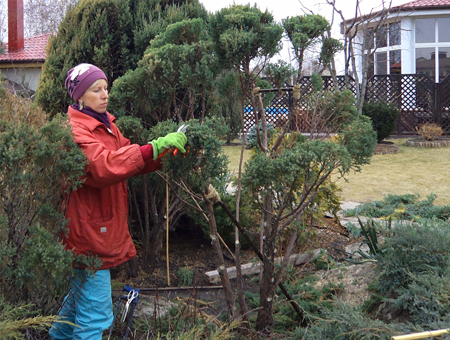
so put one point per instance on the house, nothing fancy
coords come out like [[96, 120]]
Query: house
[[23, 68], [21, 62], [406, 51], [413, 38]]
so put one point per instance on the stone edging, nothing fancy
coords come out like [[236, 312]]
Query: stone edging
[[428, 144], [386, 149]]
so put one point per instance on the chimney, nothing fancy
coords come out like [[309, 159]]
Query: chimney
[[15, 25]]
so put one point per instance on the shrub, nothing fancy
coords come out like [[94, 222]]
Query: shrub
[[15, 318], [38, 157], [185, 276], [344, 322], [406, 207], [383, 116], [251, 140], [429, 131], [414, 272]]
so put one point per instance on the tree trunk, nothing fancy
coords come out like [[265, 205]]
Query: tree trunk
[[228, 292], [267, 289]]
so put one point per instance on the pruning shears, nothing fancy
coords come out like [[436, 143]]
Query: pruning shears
[[183, 129]]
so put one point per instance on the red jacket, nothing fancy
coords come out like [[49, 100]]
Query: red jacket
[[97, 211]]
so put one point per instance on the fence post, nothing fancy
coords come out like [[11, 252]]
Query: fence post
[[437, 109]]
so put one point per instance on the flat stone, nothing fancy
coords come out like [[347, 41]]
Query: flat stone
[[255, 267]]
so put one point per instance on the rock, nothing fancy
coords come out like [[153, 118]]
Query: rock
[[255, 267], [354, 279]]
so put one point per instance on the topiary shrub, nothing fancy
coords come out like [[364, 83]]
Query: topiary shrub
[[383, 116]]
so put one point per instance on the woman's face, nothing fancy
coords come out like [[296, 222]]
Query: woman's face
[[96, 96]]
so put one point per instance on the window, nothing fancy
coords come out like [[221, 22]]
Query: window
[[444, 29], [395, 34], [388, 54], [395, 66], [425, 61], [381, 63], [381, 36], [433, 47], [444, 62], [425, 30]]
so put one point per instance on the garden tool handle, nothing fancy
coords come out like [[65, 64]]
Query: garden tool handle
[[166, 151]]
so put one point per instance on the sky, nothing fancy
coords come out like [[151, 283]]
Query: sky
[[281, 9]]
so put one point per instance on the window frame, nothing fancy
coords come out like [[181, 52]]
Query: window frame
[[379, 51], [436, 45]]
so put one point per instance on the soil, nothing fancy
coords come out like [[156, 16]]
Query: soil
[[190, 248], [386, 148]]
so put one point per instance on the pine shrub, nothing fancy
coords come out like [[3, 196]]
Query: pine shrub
[[39, 158], [383, 116], [405, 207]]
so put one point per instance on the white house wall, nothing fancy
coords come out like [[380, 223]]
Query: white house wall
[[28, 77], [407, 46]]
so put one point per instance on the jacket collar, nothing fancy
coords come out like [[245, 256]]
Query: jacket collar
[[91, 123]]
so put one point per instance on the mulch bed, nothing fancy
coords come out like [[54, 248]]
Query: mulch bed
[[385, 149]]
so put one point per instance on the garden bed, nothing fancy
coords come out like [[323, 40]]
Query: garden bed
[[385, 149], [422, 143]]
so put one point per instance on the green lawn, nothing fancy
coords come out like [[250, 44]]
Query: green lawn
[[412, 171]]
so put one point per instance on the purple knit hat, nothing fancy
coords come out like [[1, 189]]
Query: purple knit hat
[[81, 77]]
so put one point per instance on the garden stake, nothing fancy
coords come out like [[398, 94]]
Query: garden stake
[[261, 256], [167, 231], [422, 335]]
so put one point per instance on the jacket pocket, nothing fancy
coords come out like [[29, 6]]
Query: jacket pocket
[[99, 237]]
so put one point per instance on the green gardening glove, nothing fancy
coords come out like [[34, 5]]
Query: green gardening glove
[[170, 141]]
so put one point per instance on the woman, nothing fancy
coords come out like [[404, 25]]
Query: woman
[[97, 211]]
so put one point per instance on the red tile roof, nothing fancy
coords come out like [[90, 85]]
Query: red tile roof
[[33, 51], [425, 4], [409, 6]]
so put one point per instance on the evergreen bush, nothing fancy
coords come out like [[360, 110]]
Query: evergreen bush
[[185, 276], [39, 158], [406, 207], [96, 32], [383, 116], [251, 140], [111, 34]]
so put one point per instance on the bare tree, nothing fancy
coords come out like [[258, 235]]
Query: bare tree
[[44, 16], [3, 20], [40, 16], [358, 45]]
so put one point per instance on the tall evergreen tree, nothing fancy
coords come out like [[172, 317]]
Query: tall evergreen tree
[[173, 78], [97, 32], [112, 34]]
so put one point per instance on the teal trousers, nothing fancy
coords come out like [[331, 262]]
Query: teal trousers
[[88, 306]]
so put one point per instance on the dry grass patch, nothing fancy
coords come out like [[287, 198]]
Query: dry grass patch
[[411, 171]]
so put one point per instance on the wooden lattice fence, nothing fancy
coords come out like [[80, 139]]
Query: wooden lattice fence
[[419, 99], [277, 112]]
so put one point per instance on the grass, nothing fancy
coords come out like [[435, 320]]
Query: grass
[[411, 171]]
